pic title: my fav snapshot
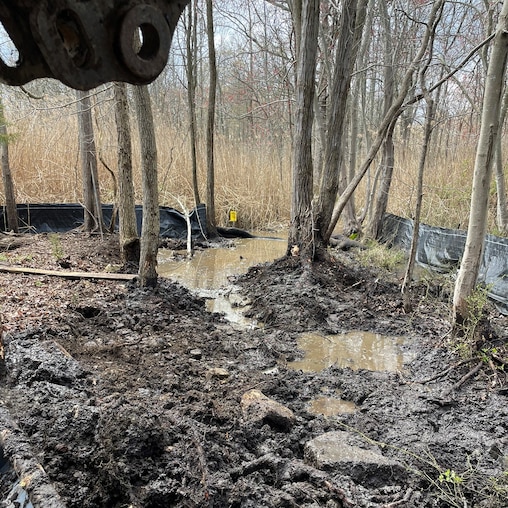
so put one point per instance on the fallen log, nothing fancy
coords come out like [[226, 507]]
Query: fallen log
[[344, 243], [69, 275], [33, 478]]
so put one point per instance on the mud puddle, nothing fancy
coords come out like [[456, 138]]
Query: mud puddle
[[331, 406], [356, 349], [208, 272]]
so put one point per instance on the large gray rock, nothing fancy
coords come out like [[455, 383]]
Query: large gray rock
[[340, 451]]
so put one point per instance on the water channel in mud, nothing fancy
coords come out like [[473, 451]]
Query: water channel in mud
[[208, 274]]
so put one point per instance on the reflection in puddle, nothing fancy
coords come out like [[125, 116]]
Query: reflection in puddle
[[357, 350], [330, 406], [207, 273], [210, 268]]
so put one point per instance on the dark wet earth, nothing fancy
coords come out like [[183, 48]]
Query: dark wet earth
[[134, 397]]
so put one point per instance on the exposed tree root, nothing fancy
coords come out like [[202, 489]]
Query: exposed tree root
[[463, 379], [444, 372]]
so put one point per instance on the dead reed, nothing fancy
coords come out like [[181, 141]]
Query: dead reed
[[252, 177]]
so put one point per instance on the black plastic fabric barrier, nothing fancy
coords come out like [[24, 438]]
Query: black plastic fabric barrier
[[48, 218], [441, 249]]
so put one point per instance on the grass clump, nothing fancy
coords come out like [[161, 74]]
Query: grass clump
[[381, 256], [56, 246], [467, 340]]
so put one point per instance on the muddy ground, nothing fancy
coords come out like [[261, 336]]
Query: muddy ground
[[135, 397]]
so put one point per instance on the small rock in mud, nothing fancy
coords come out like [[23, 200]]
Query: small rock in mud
[[257, 407]]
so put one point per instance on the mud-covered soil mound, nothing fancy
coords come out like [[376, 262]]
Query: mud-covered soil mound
[[137, 397]]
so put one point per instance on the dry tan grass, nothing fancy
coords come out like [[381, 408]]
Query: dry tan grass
[[252, 178]]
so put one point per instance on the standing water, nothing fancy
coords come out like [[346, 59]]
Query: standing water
[[356, 349], [208, 272]]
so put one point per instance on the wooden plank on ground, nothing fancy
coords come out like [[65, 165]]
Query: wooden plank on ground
[[69, 275]]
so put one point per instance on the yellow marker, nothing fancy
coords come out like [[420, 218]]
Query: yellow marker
[[232, 215]]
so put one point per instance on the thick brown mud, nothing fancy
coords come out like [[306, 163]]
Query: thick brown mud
[[143, 398]]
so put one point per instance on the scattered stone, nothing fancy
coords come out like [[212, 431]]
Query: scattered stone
[[257, 407], [196, 353], [334, 450], [218, 373]]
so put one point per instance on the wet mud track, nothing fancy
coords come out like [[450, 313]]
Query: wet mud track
[[132, 397]]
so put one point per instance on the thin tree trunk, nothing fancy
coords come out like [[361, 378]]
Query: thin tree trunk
[[10, 195], [129, 238], [91, 191], [301, 232], [350, 221], [210, 128], [151, 219], [392, 114], [191, 42], [477, 228], [429, 119], [502, 207], [351, 25], [380, 202]]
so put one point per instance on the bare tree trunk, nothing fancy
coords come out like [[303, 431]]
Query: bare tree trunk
[[301, 232], [296, 7], [151, 217], [10, 195], [351, 26], [91, 191], [392, 114], [429, 119], [191, 43], [350, 221], [210, 128], [502, 207], [380, 201], [129, 238], [469, 268]]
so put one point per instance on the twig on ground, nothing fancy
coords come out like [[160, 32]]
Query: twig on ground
[[67, 275], [181, 421], [463, 379], [340, 494], [444, 372], [402, 501]]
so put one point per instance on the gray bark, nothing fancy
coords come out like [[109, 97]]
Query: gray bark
[[128, 231], [151, 219], [429, 119], [351, 26], [502, 207], [10, 195], [91, 190], [469, 268], [301, 233], [393, 113], [191, 48], [210, 128], [380, 202]]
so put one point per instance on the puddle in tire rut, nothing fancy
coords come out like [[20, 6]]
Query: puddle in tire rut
[[357, 350], [207, 273]]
